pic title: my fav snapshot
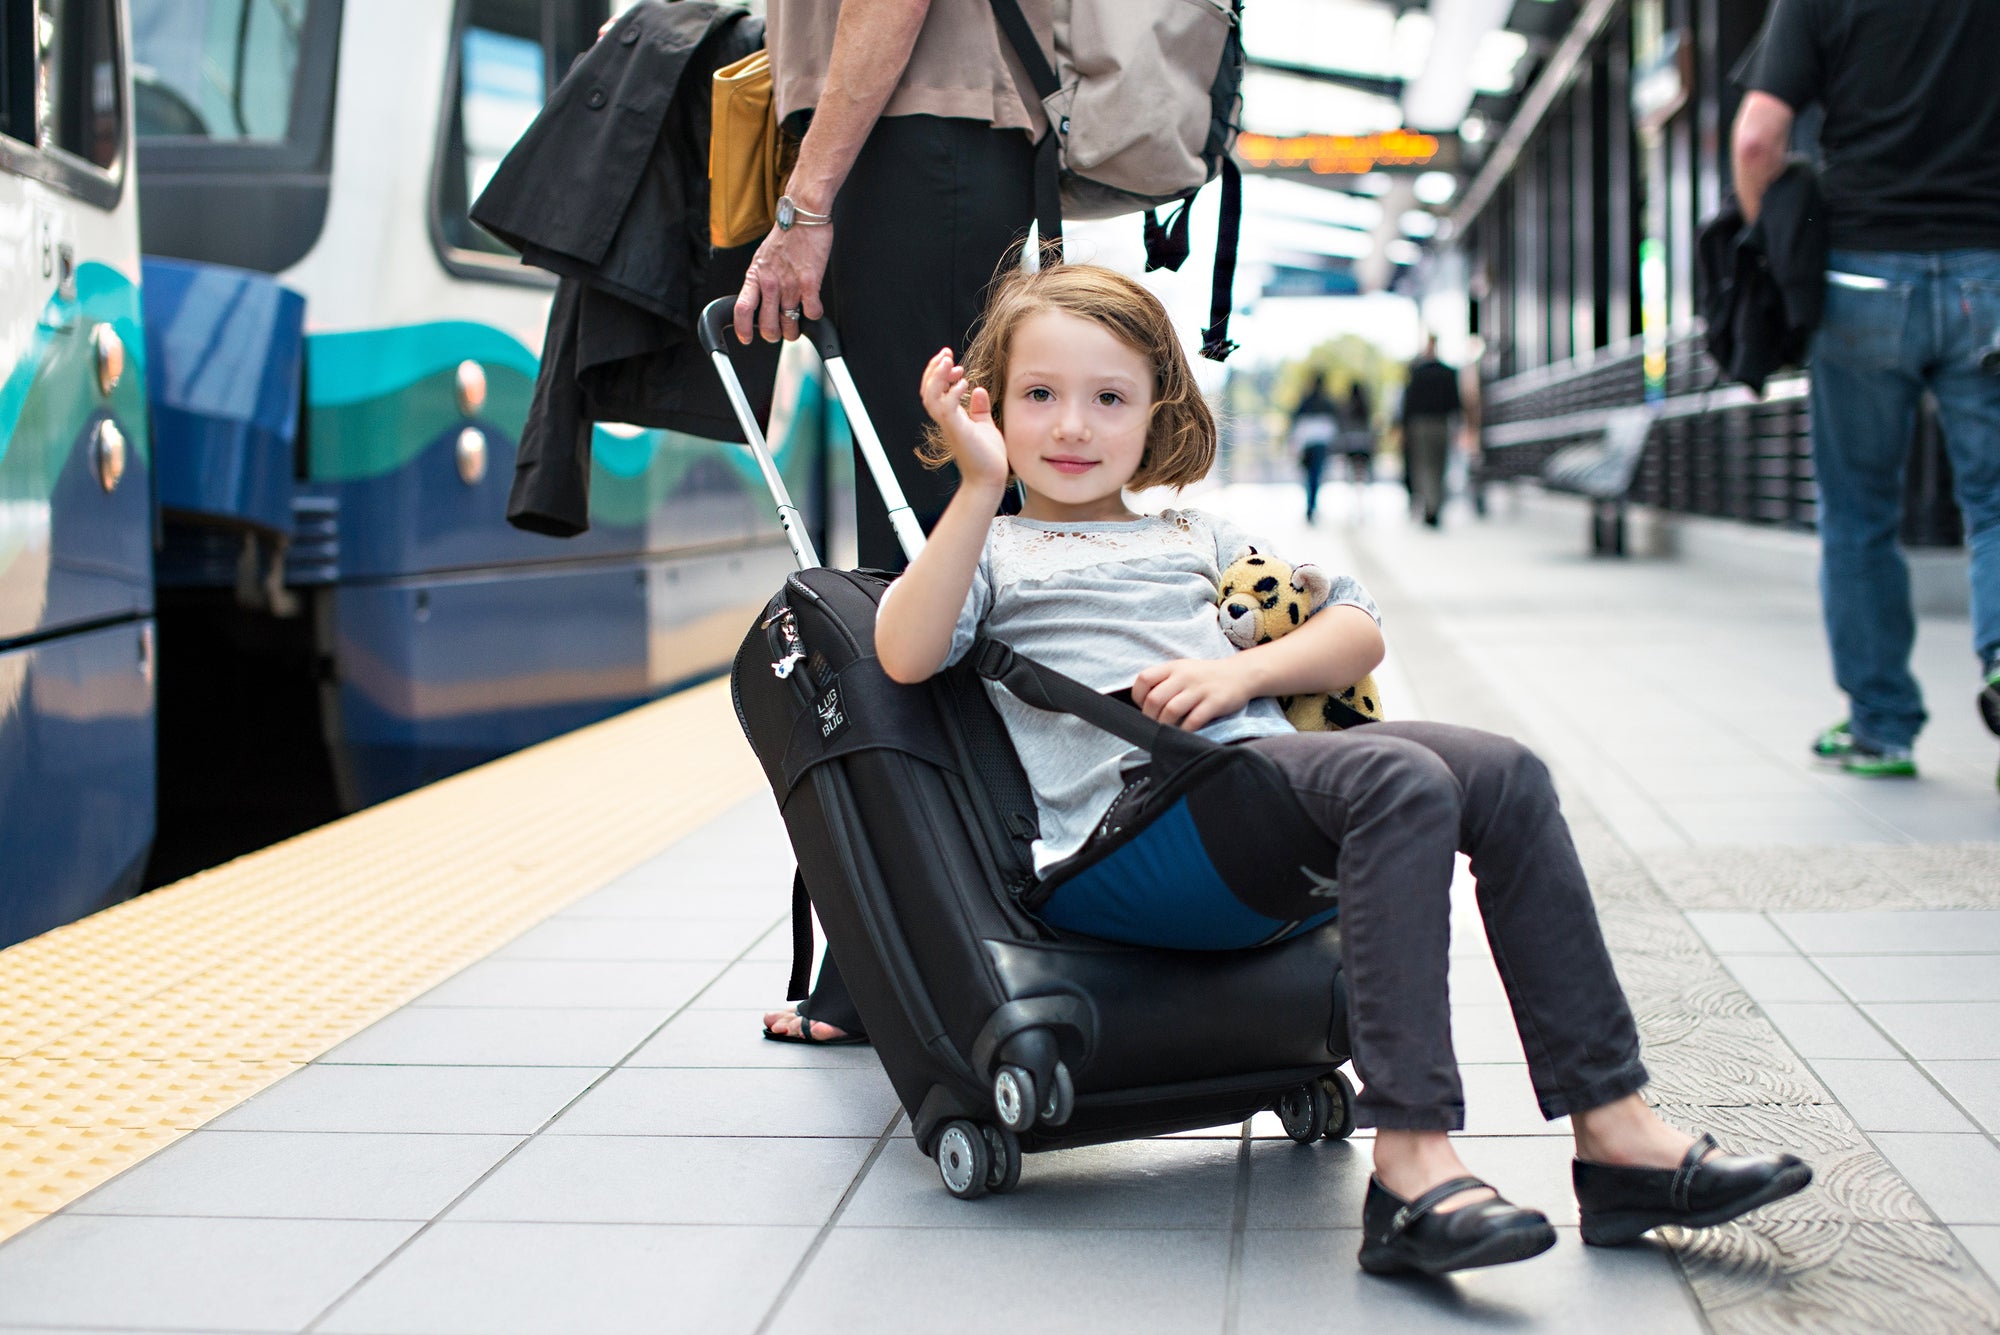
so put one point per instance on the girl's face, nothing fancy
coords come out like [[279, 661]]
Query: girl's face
[[1077, 408]]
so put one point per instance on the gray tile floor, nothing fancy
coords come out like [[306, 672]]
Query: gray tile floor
[[584, 1133], [1896, 1012]]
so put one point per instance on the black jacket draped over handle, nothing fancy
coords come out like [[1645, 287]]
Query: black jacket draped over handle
[[608, 189]]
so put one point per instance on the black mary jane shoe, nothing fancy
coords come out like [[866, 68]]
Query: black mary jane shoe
[[1401, 1237], [1619, 1204]]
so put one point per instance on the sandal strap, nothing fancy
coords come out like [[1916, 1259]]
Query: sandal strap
[[1414, 1210], [1683, 1183]]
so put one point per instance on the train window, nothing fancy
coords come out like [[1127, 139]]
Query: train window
[[17, 73], [79, 79], [509, 55], [220, 70]]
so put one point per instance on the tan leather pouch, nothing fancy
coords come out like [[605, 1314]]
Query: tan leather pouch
[[748, 156]]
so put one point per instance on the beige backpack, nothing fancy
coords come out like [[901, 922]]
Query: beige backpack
[[1144, 101]]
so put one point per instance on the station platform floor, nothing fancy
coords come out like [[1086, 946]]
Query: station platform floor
[[485, 1059]]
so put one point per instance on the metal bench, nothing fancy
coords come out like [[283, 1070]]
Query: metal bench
[[1603, 472]]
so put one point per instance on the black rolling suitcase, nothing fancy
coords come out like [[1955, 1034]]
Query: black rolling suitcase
[[911, 820]]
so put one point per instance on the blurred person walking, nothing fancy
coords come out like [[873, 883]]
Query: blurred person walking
[[1357, 435], [914, 178], [1429, 403], [1911, 179], [1315, 425]]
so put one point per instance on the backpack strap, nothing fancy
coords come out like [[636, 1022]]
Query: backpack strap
[[1167, 245], [1215, 344], [1048, 153]]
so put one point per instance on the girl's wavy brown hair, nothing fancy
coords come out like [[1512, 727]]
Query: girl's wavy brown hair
[[1180, 437]]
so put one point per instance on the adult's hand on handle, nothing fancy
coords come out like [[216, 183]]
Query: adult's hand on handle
[[785, 276]]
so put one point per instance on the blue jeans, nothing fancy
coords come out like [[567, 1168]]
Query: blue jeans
[[1897, 323]]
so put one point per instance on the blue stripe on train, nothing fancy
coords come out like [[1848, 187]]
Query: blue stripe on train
[[1162, 889]]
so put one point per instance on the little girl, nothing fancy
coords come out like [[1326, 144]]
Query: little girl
[[1076, 385]]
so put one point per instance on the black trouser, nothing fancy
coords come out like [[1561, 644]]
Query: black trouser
[[920, 227], [1399, 799]]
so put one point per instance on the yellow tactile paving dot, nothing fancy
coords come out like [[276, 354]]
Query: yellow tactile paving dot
[[123, 1031]]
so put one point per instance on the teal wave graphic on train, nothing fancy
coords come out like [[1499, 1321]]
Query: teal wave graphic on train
[[50, 395], [379, 397]]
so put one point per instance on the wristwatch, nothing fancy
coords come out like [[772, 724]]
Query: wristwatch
[[791, 215]]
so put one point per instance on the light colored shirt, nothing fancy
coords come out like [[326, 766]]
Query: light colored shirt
[[1100, 602], [962, 66]]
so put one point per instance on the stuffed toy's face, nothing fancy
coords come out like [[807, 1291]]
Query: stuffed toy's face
[[1263, 598]]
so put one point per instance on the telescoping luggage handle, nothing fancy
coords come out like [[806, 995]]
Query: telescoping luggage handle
[[717, 338]]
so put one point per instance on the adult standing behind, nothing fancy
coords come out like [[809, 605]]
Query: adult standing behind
[[1911, 178], [1429, 402], [915, 176], [1315, 423]]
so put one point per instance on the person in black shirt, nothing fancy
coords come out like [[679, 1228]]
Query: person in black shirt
[[1911, 176], [1428, 404]]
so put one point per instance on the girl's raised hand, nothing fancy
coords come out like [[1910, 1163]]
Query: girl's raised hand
[[966, 420]]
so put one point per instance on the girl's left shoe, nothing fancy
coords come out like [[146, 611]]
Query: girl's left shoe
[[1405, 1237], [1619, 1204]]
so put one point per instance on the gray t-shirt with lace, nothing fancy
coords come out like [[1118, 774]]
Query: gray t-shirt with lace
[[1100, 602]]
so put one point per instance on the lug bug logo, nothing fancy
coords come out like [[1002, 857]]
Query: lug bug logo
[[831, 717]]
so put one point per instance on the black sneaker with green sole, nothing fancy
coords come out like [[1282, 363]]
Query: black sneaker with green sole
[[1840, 746]]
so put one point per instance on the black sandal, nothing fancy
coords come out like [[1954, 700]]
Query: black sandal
[[805, 1034], [1618, 1204], [1399, 1236]]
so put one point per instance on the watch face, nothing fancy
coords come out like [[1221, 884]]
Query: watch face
[[785, 214]]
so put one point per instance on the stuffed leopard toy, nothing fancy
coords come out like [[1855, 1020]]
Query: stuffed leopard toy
[[1263, 598]]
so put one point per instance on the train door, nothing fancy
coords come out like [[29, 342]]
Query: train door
[[76, 527]]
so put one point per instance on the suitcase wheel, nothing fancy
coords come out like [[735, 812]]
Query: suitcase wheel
[[1005, 1147], [1061, 1100], [1306, 1111], [965, 1160], [1014, 1097], [1015, 1102], [1340, 1115]]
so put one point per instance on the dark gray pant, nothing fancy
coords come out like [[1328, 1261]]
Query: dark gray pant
[[1426, 449], [1399, 799]]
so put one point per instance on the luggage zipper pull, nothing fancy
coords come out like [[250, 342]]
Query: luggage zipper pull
[[788, 651]]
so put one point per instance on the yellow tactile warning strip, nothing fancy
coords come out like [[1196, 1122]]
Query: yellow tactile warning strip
[[123, 1031]]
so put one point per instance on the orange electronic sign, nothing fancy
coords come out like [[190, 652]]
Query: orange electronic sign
[[1340, 154]]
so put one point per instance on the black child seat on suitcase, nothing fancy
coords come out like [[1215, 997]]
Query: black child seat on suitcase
[[912, 822]]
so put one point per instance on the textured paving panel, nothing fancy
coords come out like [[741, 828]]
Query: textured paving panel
[[129, 1028], [1846, 877]]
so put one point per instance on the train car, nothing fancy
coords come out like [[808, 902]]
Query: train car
[[254, 566], [77, 645], [343, 365]]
